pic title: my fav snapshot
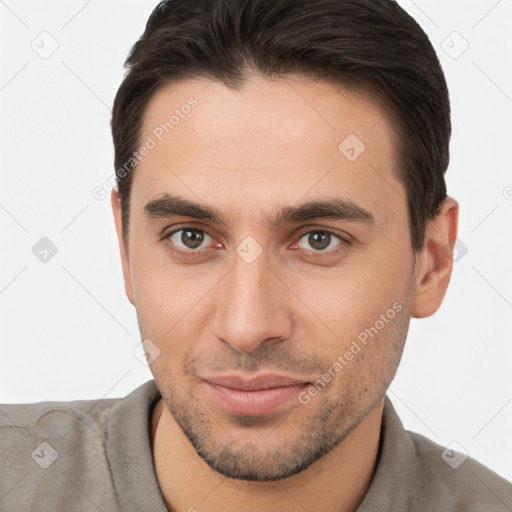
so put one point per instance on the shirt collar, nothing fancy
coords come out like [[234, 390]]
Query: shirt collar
[[395, 468], [129, 451]]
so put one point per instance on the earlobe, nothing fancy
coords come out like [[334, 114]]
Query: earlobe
[[435, 263], [123, 249]]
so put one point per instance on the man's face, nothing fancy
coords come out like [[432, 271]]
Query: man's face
[[251, 295]]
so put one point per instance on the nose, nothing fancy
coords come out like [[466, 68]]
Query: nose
[[254, 307]]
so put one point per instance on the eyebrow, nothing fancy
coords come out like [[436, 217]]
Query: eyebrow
[[334, 208]]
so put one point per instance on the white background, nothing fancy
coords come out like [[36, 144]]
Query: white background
[[67, 330]]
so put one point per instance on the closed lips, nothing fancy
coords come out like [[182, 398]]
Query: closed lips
[[256, 383]]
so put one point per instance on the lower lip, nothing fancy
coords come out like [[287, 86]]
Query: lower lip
[[263, 401]]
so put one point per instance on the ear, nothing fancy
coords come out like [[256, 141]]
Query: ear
[[435, 263], [125, 260]]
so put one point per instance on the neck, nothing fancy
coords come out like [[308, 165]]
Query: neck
[[337, 482]]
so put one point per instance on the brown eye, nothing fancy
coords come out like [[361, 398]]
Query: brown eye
[[187, 238], [191, 239], [320, 240]]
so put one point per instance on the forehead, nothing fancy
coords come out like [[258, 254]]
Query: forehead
[[292, 110], [274, 140]]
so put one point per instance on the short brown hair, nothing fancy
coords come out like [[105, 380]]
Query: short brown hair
[[370, 46]]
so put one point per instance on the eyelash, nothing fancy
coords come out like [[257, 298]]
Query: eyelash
[[198, 253]]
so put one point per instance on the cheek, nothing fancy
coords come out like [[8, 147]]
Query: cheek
[[349, 295], [156, 291], [172, 304], [354, 299]]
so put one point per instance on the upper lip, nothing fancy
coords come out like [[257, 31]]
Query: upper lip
[[254, 383]]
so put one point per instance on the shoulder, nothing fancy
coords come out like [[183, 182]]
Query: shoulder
[[452, 480], [57, 450], [47, 416]]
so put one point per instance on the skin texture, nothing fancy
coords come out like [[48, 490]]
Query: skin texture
[[293, 310]]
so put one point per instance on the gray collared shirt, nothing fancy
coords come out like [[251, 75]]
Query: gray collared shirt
[[90, 455]]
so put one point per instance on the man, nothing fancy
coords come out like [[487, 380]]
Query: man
[[281, 214]]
